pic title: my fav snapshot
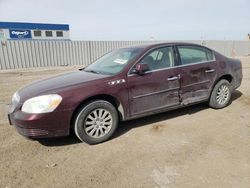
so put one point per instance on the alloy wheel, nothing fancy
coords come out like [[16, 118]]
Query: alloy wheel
[[222, 94], [98, 123]]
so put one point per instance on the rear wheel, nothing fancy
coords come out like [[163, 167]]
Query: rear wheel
[[96, 122], [221, 95]]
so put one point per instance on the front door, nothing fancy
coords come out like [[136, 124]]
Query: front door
[[159, 87], [198, 73]]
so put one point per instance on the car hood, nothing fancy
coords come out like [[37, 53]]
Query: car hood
[[56, 83]]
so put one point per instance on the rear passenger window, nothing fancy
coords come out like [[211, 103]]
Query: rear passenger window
[[210, 55], [194, 54]]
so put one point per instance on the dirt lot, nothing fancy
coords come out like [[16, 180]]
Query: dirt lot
[[191, 147]]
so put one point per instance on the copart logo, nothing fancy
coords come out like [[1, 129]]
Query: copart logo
[[20, 34], [24, 33]]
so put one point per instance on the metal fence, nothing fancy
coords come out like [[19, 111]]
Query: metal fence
[[26, 54]]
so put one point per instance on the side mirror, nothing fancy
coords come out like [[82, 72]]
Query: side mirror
[[141, 68]]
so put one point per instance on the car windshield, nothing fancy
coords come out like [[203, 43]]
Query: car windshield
[[113, 62]]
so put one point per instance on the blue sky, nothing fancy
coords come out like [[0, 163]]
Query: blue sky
[[137, 19]]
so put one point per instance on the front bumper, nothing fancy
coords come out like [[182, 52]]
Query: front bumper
[[53, 124]]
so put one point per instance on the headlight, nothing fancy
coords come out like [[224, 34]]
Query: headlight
[[42, 104]]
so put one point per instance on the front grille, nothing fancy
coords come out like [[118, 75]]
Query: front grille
[[32, 132]]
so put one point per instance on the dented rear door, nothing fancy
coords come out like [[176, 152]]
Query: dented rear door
[[198, 73]]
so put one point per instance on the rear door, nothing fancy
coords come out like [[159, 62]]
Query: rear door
[[198, 73], [159, 87]]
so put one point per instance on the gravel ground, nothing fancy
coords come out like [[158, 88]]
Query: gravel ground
[[191, 147]]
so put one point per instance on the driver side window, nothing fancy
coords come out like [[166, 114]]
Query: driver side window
[[159, 59]]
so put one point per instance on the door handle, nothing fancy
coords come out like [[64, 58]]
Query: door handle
[[172, 78], [209, 70]]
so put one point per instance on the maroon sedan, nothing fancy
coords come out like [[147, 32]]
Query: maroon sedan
[[124, 84]]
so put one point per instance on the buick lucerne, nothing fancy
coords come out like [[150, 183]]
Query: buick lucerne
[[124, 84]]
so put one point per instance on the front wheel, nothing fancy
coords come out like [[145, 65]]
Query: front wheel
[[221, 95], [96, 122]]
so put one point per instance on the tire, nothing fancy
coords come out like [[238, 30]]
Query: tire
[[96, 122], [221, 95]]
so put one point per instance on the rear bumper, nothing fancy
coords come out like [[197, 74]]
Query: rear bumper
[[238, 75], [237, 80], [46, 125]]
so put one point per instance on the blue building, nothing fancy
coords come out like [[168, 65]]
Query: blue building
[[33, 31]]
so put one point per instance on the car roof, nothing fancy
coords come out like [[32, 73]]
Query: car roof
[[159, 44]]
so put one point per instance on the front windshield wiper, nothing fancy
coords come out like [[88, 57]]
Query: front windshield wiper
[[93, 71], [96, 72]]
